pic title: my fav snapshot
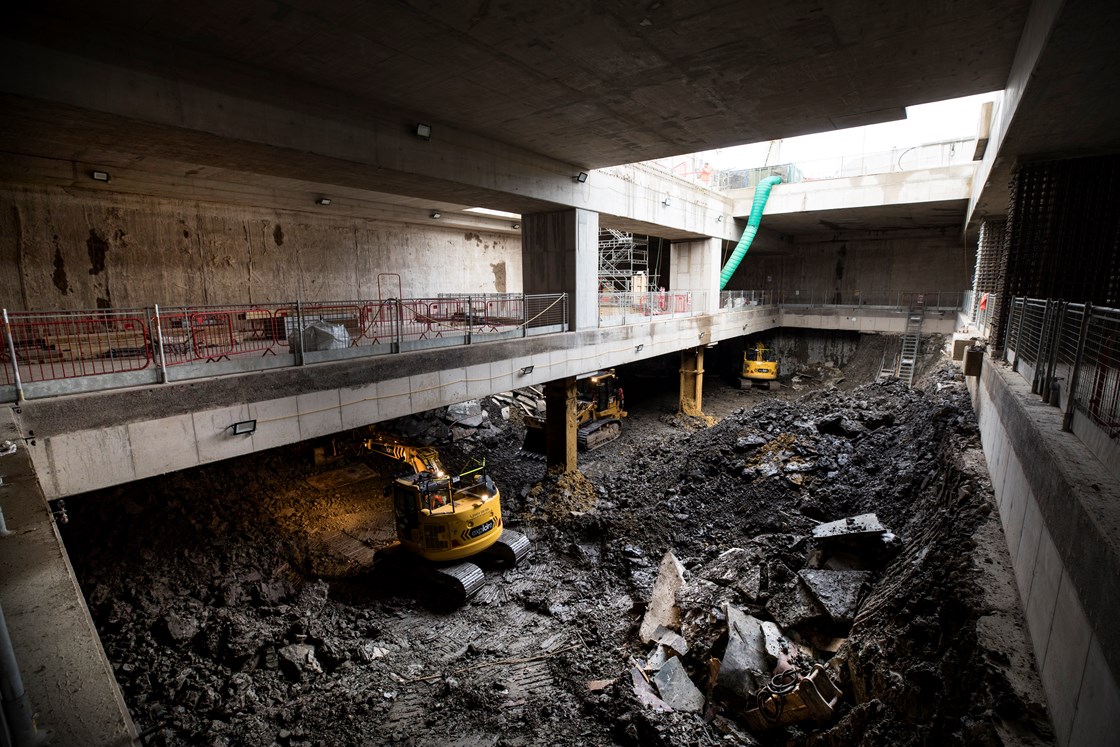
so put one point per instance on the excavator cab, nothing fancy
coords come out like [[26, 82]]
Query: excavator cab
[[760, 367]]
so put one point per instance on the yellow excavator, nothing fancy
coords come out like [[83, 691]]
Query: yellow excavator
[[760, 367], [600, 408], [446, 518]]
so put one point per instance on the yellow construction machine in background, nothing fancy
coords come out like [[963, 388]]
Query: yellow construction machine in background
[[760, 367], [600, 408], [445, 518]]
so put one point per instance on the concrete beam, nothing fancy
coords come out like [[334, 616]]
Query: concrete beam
[[1036, 34], [939, 184]]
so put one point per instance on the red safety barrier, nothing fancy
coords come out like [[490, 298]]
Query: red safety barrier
[[508, 312], [62, 346]]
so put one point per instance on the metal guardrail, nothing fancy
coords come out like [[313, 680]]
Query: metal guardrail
[[898, 300], [1071, 354], [115, 347], [628, 307], [108, 348]]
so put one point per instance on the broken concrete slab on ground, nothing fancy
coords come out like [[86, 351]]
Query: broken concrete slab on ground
[[854, 543]]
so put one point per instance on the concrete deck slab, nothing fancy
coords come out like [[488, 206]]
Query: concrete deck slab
[[68, 679]]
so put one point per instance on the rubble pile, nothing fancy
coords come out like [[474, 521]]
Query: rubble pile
[[803, 572]]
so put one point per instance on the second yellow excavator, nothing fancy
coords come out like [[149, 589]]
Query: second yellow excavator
[[600, 408], [447, 518], [760, 367]]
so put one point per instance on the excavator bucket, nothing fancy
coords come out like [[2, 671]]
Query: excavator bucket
[[534, 438]]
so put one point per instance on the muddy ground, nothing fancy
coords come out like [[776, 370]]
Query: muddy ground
[[240, 604]]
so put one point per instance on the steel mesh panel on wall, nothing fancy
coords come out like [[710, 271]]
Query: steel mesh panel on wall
[[1066, 231]]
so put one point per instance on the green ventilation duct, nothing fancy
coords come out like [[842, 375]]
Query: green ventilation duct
[[761, 195]]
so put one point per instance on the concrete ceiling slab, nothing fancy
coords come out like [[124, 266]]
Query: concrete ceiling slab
[[584, 82], [947, 214]]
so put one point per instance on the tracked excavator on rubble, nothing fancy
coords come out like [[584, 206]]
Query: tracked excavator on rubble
[[760, 367], [600, 408], [445, 519]]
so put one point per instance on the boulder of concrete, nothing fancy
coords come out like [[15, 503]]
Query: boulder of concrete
[[463, 410], [662, 609], [852, 526], [671, 639], [298, 662], [837, 592], [677, 689], [794, 606], [746, 664]]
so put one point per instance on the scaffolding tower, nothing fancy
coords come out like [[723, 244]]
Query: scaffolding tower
[[624, 262]]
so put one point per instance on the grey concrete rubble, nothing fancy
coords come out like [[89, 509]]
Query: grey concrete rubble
[[638, 610], [663, 611], [838, 592], [676, 689]]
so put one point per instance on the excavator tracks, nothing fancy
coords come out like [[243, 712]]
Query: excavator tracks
[[599, 433], [459, 582], [511, 547]]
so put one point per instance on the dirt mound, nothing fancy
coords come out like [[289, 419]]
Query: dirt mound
[[221, 632]]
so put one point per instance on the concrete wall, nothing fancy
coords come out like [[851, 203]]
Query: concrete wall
[[65, 250], [1060, 510], [868, 264]]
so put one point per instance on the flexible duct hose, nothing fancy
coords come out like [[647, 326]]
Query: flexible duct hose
[[761, 195]]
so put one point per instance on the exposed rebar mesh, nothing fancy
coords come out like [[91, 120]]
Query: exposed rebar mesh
[[1063, 233]]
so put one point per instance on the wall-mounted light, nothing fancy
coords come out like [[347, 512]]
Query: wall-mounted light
[[437, 214], [639, 347], [515, 226], [581, 177], [424, 131], [667, 201], [719, 219], [244, 428], [324, 201], [526, 370], [101, 176]]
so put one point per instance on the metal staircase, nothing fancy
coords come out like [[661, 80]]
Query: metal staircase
[[911, 341]]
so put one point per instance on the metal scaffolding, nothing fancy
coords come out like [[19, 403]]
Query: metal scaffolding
[[624, 262]]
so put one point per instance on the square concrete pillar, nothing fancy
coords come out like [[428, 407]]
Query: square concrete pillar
[[560, 425], [692, 382], [560, 254], [694, 266]]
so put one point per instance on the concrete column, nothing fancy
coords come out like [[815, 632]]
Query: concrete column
[[560, 425], [692, 381], [694, 266], [560, 254]]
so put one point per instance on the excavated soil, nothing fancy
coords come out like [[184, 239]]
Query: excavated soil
[[240, 604]]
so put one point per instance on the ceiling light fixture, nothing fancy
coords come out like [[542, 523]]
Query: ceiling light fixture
[[424, 131], [101, 176], [323, 201], [719, 219], [515, 226], [638, 349], [526, 370], [581, 177], [667, 201], [437, 214]]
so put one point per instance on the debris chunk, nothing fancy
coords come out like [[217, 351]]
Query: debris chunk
[[663, 610], [837, 592], [298, 662], [676, 689], [745, 663], [644, 691], [852, 525]]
